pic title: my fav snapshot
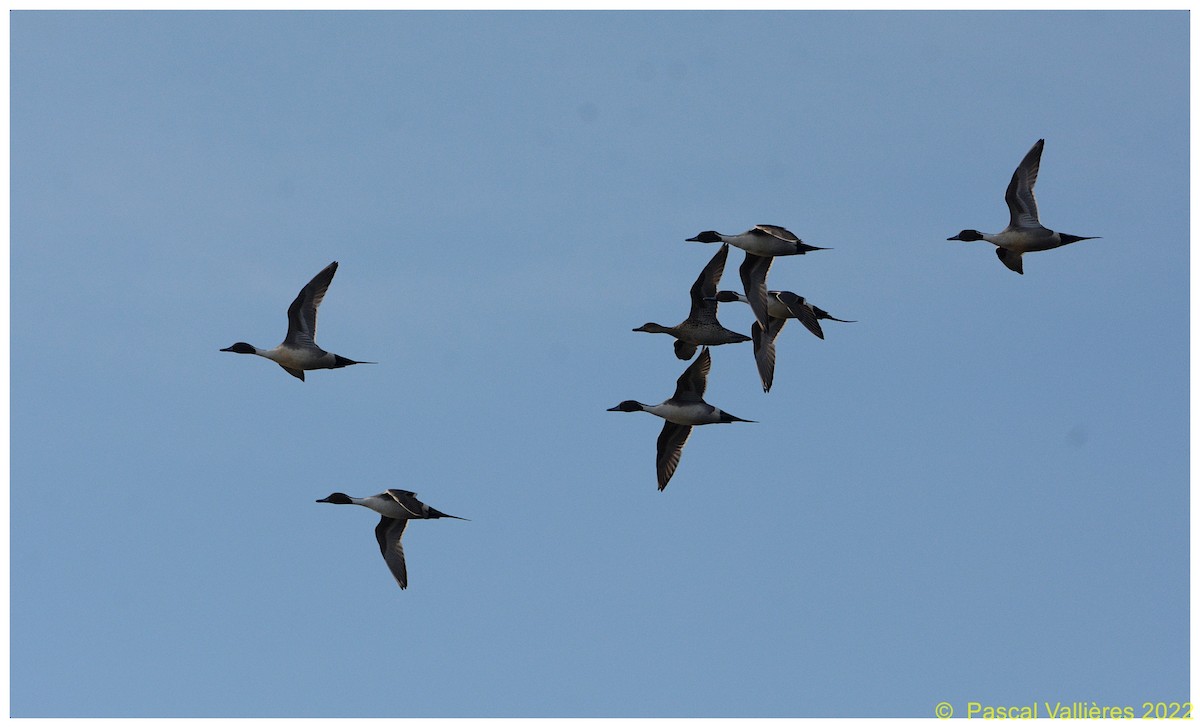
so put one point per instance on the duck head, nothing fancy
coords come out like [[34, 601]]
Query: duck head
[[708, 236], [653, 328], [241, 348], [628, 405], [338, 498], [968, 236]]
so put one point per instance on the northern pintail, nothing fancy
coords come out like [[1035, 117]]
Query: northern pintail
[[1025, 233], [701, 327], [299, 350], [781, 306], [762, 243], [396, 509], [683, 410]]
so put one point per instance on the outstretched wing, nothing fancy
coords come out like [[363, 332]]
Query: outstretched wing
[[670, 449], [754, 279], [302, 314], [764, 349], [388, 534], [704, 290], [1022, 206], [691, 384]]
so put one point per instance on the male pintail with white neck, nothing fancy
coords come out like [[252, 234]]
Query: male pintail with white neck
[[683, 410], [762, 243], [1025, 233], [396, 508], [299, 350]]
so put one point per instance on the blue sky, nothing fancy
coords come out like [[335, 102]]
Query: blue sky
[[978, 492]]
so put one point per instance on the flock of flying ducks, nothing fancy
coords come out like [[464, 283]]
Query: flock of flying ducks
[[762, 244], [686, 408]]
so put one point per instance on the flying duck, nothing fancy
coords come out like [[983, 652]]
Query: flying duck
[[396, 509], [683, 410], [781, 306], [701, 327], [1024, 233], [299, 350], [762, 243]]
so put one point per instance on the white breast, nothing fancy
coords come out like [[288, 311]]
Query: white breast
[[298, 358], [692, 413], [1025, 240], [762, 245]]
